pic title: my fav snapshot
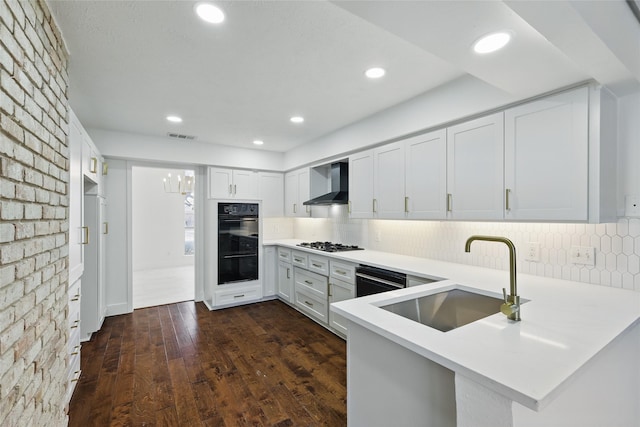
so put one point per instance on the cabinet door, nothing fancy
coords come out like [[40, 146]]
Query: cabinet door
[[76, 232], [220, 183], [303, 193], [291, 194], [90, 161], [361, 185], [426, 175], [102, 270], [388, 189], [475, 168], [285, 281], [245, 184], [269, 277], [546, 158], [339, 291], [271, 189]]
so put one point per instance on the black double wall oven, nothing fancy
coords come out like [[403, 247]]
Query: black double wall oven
[[238, 228]]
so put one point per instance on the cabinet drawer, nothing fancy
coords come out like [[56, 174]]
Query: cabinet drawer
[[284, 254], [237, 296], [74, 293], [73, 345], [343, 271], [311, 283], [311, 305], [300, 259], [319, 264]]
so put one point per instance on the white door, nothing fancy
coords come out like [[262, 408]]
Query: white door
[[361, 184], [388, 170], [426, 175], [475, 168], [220, 183], [546, 158], [245, 184]]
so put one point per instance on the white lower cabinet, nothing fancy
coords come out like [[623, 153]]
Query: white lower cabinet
[[73, 343], [270, 274], [285, 282], [339, 291], [236, 294], [311, 294]]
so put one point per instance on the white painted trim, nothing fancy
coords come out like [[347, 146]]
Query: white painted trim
[[117, 309]]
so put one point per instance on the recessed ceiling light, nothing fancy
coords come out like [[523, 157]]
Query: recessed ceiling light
[[297, 119], [258, 142], [174, 119], [210, 13], [492, 42], [375, 72]]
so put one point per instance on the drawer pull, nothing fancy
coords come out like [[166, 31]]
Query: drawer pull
[[308, 303], [316, 265], [329, 289], [308, 282], [76, 350], [76, 376], [76, 297], [288, 273], [344, 273], [85, 236], [238, 296], [75, 324], [297, 259]]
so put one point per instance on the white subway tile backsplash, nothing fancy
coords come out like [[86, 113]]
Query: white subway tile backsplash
[[617, 245]]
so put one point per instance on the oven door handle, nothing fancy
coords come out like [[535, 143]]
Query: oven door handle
[[379, 280], [239, 256]]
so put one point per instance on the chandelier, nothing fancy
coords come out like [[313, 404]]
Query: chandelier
[[179, 184]]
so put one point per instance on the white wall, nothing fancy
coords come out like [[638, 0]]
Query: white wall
[[158, 221], [148, 148]]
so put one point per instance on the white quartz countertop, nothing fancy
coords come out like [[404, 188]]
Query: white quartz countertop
[[564, 324]]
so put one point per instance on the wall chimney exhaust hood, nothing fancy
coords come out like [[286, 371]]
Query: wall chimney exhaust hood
[[339, 194]]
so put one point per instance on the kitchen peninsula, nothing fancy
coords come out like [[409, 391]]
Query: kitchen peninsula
[[572, 360]]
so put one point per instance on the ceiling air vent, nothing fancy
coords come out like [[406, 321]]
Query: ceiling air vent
[[180, 136]]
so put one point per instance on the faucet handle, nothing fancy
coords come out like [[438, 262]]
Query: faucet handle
[[504, 295]]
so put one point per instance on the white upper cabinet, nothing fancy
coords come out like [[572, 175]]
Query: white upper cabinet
[[475, 179], [547, 158], [361, 184], [426, 175], [296, 191], [233, 184], [271, 188], [388, 188]]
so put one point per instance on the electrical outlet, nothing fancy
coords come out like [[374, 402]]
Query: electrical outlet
[[632, 206], [533, 252], [584, 255]]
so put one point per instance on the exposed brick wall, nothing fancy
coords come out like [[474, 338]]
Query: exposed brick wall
[[33, 216]]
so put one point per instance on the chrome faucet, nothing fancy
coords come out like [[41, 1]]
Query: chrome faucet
[[511, 305]]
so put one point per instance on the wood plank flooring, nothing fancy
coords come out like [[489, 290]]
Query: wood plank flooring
[[262, 364]]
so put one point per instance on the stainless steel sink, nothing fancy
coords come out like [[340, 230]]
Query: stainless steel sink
[[447, 310]]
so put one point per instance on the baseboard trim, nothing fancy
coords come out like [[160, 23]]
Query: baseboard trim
[[117, 309]]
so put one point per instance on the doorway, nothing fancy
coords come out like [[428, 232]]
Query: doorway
[[163, 234]]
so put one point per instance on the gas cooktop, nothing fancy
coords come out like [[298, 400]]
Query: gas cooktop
[[329, 247]]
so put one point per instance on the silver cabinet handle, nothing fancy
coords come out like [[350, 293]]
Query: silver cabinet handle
[[308, 303], [230, 189], [295, 208], [375, 206], [406, 204], [316, 265], [344, 273], [238, 296], [329, 289], [297, 259], [106, 228], [449, 202], [308, 282], [235, 189], [349, 206], [507, 205], [288, 273]]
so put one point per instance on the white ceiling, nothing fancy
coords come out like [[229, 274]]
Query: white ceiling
[[134, 62]]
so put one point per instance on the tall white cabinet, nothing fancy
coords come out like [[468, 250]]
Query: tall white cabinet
[[426, 175], [296, 192], [361, 184], [388, 187]]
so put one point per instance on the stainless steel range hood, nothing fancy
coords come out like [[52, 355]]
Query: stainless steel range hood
[[339, 194]]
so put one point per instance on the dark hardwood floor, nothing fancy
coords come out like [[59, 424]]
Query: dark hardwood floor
[[262, 364]]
